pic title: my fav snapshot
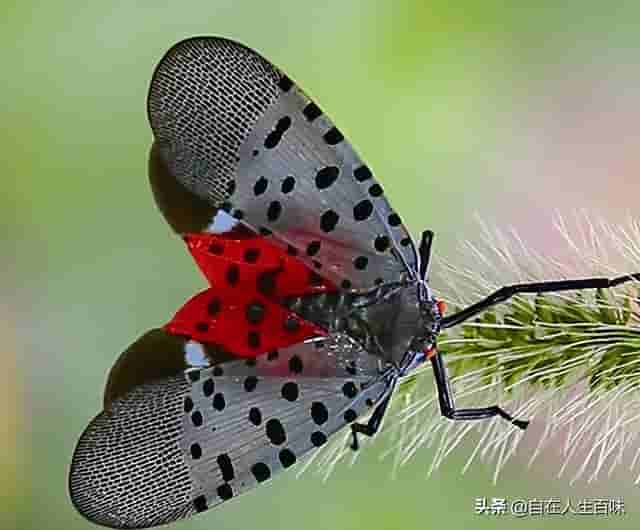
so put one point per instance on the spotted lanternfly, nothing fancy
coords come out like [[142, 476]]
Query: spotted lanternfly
[[318, 300]]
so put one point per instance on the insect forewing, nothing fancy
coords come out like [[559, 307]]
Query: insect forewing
[[233, 130], [179, 445]]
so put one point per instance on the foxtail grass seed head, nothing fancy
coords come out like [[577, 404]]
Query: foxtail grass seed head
[[570, 362]]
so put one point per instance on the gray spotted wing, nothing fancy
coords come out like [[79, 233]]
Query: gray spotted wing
[[235, 131], [170, 447]]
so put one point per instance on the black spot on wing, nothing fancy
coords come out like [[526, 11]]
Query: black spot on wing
[[275, 432], [255, 416], [287, 458], [319, 413], [225, 492], [226, 467], [295, 365], [274, 137], [261, 471], [326, 176], [333, 136], [290, 391], [250, 383], [311, 111]]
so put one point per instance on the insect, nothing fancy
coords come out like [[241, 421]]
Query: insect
[[318, 301]]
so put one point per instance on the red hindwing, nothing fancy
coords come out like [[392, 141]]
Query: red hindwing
[[241, 312]]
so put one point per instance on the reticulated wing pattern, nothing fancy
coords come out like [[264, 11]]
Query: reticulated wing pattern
[[172, 447], [129, 469], [241, 431], [238, 132]]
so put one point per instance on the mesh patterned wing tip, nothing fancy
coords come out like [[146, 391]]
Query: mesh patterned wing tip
[[128, 470]]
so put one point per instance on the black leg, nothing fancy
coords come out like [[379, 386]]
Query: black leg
[[447, 406], [373, 425], [508, 291]]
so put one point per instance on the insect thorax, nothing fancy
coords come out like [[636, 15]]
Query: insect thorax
[[387, 321]]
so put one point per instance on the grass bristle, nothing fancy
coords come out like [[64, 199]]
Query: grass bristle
[[570, 362]]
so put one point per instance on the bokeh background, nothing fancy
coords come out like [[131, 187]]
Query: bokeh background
[[461, 108]]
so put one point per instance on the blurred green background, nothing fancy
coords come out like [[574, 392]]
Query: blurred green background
[[461, 108]]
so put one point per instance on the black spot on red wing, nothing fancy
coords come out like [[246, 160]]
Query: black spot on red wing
[[326, 176], [225, 492], [285, 83], [266, 282], [274, 137], [313, 248], [329, 220], [233, 274], [350, 415], [250, 383], [362, 173], [255, 312], [219, 402], [217, 371], [362, 210], [292, 251], [260, 186], [290, 391], [346, 284], [315, 279], [272, 355], [196, 451], [213, 308], [217, 249], [350, 390], [188, 404], [261, 471], [226, 467], [382, 243], [291, 324], [318, 438], [311, 111], [295, 365], [274, 211], [275, 432], [207, 387], [251, 255], [360, 263], [255, 416], [196, 418], [194, 375], [253, 339], [394, 219], [288, 184], [287, 458], [405, 241], [202, 327], [375, 190], [333, 136], [319, 413]]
